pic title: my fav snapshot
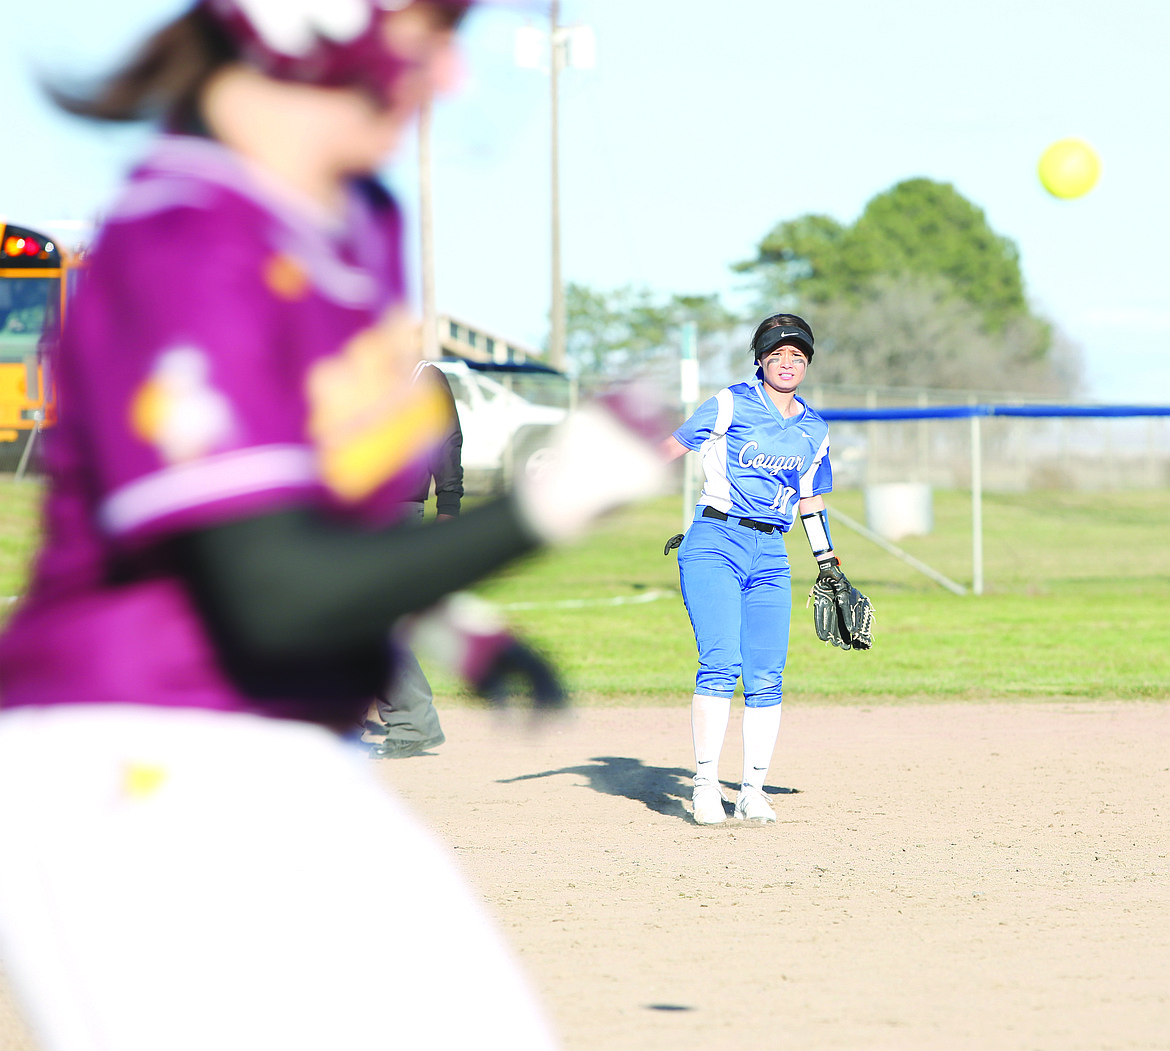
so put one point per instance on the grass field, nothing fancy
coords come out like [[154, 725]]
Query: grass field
[[1077, 603], [19, 513]]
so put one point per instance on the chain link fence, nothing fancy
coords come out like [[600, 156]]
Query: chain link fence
[[1019, 453]]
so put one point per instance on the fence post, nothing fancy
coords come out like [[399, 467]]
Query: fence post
[[1021, 434], [1151, 454], [976, 506], [1110, 472], [871, 433], [688, 364], [923, 441]]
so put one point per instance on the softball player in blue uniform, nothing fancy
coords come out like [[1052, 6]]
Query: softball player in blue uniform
[[766, 459]]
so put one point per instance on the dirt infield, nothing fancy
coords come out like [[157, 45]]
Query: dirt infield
[[941, 877]]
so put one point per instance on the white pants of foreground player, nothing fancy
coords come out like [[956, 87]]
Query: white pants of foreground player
[[191, 880]]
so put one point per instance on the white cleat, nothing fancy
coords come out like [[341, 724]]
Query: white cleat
[[750, 805], [708, 802]]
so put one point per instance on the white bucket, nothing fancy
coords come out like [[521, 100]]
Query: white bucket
[[897, 509]]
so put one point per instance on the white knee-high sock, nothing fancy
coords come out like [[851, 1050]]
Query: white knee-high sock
[[760, 727], [708, 727]]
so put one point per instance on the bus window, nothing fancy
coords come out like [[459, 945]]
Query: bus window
[[29, 308]]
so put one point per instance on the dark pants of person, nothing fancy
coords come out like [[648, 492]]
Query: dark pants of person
[[408, 707]]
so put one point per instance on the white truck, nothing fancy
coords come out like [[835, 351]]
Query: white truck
[[506, 416]]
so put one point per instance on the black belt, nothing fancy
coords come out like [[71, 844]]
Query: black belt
[[760, 527]]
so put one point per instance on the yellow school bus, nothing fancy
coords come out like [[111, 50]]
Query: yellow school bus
[[34, 283]]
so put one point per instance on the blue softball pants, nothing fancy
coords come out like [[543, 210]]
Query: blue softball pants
[[737, 587]]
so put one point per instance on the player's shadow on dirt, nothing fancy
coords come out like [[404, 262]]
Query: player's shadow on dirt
[[662, 789], [659, 788]]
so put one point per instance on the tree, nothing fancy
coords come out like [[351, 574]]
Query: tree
[[810, 259], [912, 331], [628, 329], [916, 227], [919, 291], [929, 229]]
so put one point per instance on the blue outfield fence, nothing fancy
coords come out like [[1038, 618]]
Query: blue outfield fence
[[963, 412], [975, 413]]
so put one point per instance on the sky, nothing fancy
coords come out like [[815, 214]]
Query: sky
[[704, 124]]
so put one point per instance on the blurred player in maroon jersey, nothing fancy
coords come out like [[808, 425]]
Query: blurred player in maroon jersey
[[187, 836]]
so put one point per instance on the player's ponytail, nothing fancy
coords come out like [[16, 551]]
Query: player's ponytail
[[163, 81]]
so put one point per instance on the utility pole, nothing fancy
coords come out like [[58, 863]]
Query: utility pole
[[566, 47], [556, 343], [426, 236]]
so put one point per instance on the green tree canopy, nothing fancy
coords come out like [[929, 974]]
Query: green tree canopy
[[919, 291], [917, 228]]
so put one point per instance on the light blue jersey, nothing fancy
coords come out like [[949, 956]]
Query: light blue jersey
[[736, 581], [758, 464]]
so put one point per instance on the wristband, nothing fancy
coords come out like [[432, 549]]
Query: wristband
[[816, 528]]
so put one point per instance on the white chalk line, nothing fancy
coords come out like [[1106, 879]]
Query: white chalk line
[[568, 603], [582, 603]]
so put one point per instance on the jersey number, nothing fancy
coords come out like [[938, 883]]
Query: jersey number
[[784, 497]]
